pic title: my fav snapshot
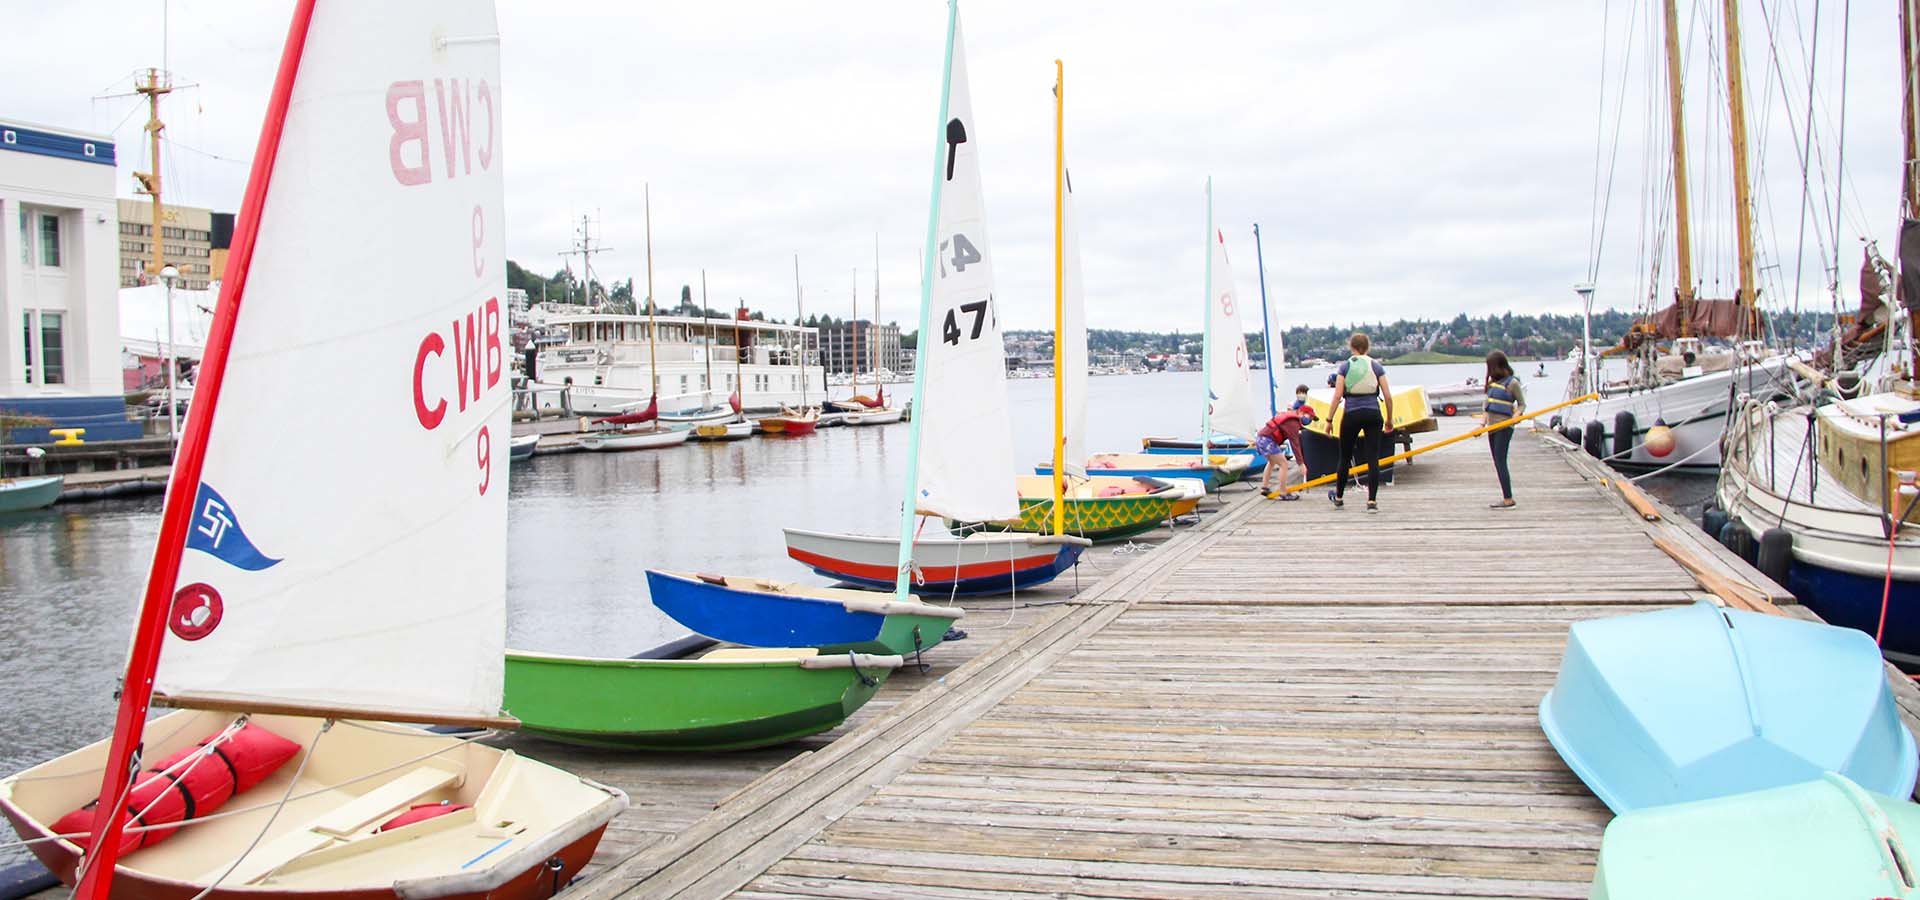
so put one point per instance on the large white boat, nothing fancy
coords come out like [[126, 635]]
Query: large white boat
[[603, 364], [1691, 400]]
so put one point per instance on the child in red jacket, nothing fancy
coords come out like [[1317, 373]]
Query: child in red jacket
[[1283, 427]]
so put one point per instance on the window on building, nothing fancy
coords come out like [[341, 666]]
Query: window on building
[[52, 349], [26, 239], [49, 240], [26, 343]]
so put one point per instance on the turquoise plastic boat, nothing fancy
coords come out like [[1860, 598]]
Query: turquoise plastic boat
[[1700, 702], [1822, 838]]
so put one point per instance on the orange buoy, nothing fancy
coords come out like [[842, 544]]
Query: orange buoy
[[1659, 441]]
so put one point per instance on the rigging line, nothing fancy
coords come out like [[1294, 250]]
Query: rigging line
[[1800, 246], [1808, 150], [1606, 199], [1840, 153], [1819, 153]]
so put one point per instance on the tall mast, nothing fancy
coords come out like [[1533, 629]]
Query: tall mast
[[739, 380], [1683, 240], [1742, 199], [1059, 298], [853, 332], [799, 316], [1275, 358], [653, 362], [153, 89], [873, 343], [1206, 341], [709, 354], [1910, 147]]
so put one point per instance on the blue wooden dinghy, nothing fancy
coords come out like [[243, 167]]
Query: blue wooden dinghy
[[761, 613], [1700, 702], [1824, 838]]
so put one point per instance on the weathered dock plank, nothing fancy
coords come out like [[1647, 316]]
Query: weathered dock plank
[[1291, 701]]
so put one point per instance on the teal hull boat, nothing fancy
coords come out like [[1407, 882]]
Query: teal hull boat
[[1700, 702], [23, 494], [1821, 838]]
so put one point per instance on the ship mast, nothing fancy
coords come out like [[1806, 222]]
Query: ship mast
[[153, 89], [1910, 148], [1742, 190], [653, 361], [799, 314], [1683, 241], [710, 338]]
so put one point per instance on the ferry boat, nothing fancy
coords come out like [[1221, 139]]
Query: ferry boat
[[602, 364]]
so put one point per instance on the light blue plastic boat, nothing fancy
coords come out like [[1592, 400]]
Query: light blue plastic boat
[[1815, 839], [1700, 702]]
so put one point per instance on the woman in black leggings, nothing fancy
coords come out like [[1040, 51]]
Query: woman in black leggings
[[1361, 382]]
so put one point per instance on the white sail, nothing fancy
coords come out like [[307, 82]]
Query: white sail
[[966, 445], [1073, 342], [1228, 392], [348, 547]]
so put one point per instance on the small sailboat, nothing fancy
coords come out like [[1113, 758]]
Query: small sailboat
[[1843, 841], [960, 446], [789, 421], [288, 618], [723, 431], [1071, 502], [762, 613], [1232, 441], [861, 409], [1699, 702], [980, 564], [1213, 471], [729, 699]]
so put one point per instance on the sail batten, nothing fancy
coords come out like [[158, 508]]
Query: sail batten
[[349, 556]]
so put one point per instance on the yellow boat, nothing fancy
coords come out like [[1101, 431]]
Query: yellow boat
[[1099, 508]]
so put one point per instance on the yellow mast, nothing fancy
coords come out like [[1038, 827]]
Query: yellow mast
[[653, 363], [1683, 242], [154, 89], [1059, 297], [1742, 199]]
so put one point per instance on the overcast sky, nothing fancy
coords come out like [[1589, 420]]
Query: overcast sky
[[1403, 159]]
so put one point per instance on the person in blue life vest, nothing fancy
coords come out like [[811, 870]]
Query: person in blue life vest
[[1283, 428], [1505, 399], [1360, 382]]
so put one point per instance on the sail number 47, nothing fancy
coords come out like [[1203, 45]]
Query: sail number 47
[[950, 330]]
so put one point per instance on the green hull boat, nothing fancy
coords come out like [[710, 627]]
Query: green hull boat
[[1822, 838], [731, 699], [1147, 505]]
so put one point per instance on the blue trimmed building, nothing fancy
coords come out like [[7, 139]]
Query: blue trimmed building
[[59, 284]]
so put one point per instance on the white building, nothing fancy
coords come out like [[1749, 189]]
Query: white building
[[59, 283]]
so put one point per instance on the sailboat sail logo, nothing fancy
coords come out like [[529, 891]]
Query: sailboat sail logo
[[217, 532]]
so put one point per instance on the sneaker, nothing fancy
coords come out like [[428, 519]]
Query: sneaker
[[1337, 501], [1503, 504], [1372, 507]]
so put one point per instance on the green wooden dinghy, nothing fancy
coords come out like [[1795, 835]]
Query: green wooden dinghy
[[730, 699]]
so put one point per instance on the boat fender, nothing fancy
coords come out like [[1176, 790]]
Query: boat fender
[[1572, 434], [1554, 423], [420, 812], [1594, 438], [1737, 538], [1775, 555], [1623, 428], [1712, 519]]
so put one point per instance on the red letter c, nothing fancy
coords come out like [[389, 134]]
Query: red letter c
[[429, 417]]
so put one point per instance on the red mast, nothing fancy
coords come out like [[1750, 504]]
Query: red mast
[[109, 818]]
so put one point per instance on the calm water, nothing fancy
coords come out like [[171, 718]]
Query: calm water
[[583, 529]]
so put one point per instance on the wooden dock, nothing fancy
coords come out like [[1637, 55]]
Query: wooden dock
[[1289, 701]]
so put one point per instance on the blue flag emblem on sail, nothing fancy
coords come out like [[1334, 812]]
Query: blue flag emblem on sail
[[216, 531]]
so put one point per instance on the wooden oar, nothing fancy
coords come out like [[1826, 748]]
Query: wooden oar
[[1484, 429]]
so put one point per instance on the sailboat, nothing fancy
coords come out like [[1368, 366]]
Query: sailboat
[[1227, 404], [805, 419], [735, 427], [1821, 494], [960, 449], [288, 618], [862, 409], [1230, 444], [645, 429], [1071, 503], [1688, 390]]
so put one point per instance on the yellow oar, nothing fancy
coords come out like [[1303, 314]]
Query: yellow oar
[[1504, 423]]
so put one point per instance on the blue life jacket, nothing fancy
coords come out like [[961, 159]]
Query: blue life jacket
[[1500, 398]]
